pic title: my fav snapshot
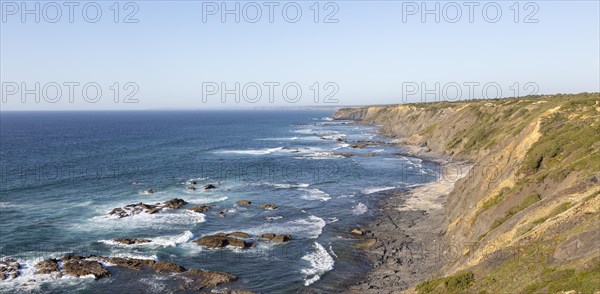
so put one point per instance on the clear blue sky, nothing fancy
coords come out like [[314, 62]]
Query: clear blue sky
[[371, 54]]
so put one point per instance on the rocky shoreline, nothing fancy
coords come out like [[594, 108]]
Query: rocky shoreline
[[404, 241]]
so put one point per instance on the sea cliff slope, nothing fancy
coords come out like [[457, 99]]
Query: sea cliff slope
[[526, 218]]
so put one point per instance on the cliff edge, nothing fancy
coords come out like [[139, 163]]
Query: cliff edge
[[526, 218]]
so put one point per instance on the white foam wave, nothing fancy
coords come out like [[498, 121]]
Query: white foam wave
[[320, 262], [316, 132], [207, 200], [286, 185], [253, 151], [359, 209], [166, 241], [376, 189], [310, 228], [159, 220], [315, 194]]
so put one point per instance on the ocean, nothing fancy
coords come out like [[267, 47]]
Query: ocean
[[62, 172]]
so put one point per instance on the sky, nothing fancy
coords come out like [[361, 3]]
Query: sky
[[138, 55]]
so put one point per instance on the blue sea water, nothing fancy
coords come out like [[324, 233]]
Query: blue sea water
[[62, 172]]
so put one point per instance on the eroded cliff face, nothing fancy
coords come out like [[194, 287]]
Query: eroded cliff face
[[527, 215]]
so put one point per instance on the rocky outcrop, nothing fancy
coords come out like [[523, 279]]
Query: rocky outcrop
[[9, 268], [47, 266], [174, 203], [78, 266], [269, 206], [239, 235], [358, 231], [137, 208], [209, 187], [128, 241], [276, 238], [244, 203], [222, 240], [200, 208]]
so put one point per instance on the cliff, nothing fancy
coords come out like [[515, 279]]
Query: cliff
[[526, 218]]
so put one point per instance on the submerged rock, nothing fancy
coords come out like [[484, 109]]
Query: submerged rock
[[128, 241], [191, 188], [149, 191], [244, 203]]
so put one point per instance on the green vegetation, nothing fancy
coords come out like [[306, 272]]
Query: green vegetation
[[451, 284], [429, 129], [554, 281], [528, 201]]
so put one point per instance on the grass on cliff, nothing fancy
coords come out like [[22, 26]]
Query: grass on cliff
[[570, 142], [528, 201], [452, 284]]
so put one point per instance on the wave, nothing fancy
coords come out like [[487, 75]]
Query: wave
[[376, 189], [207, 200], [253, 151], [161, 220], [359, 209], [320, 262], [309, 228], [315, 194], [317, 132], [305, 138], [285, 185]]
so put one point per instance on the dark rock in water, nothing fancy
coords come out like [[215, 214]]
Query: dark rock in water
[[9, 268], [174, 203], [193, 279], [200, 208], [133, 209], [193, 182], [130, 263], [339, 140], [127, 241], [221, 240], [238, 235], [358, 231], [47, 266], [191, 188], [209, 186], [269, 206], [199, 279], [165, 266], [267, 236], [276, 238], [281, 238], [77, 266], [221, 213], [244, 203], [149, 191]]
